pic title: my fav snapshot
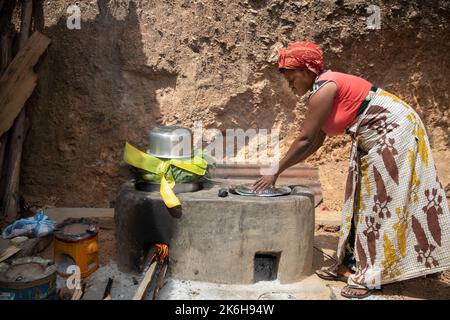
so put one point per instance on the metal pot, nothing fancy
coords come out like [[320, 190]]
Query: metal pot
[[171, 142]]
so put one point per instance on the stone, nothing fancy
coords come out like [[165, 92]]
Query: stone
[[272, 57]]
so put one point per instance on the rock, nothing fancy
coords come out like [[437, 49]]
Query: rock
[[253, 11], [331, 228], [287, 27], [273, 53]]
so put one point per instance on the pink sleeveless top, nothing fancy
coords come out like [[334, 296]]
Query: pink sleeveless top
[[352, 90]]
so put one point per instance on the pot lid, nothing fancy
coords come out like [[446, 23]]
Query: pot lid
[[246, 190], [76, 229]]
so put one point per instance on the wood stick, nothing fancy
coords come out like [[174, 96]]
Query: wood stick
[[107, 293], [25, 25], [5, 43], [6, 56], [77, 294], [38, 15], [11, 197], [140, 292], [161, 277], [3, 141]]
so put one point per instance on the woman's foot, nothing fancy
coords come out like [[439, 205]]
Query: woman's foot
[[335, 273], [356, 291]]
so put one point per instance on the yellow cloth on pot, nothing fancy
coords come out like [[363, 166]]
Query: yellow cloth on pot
[[145, 161]]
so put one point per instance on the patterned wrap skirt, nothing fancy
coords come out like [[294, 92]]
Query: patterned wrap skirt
[[394, 204]]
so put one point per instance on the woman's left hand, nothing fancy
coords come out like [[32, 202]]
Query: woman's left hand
[[264, 182]]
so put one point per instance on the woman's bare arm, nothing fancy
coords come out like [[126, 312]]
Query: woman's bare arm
[[320, 106]]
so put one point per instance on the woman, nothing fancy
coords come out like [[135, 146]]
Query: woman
[[395, 217]]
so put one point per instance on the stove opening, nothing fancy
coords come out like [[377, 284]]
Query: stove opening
[[266, 266]]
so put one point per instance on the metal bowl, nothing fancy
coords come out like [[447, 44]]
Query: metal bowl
[[171, 142], [246, 190]]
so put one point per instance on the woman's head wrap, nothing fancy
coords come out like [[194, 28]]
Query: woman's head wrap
[[300, 55]]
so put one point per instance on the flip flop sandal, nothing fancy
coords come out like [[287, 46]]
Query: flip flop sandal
[[357, 296], [331, 275]]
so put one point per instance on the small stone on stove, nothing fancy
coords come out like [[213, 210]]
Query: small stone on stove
[[223, 193]]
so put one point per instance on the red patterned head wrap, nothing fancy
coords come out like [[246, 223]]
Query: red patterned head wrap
[[300, 55]]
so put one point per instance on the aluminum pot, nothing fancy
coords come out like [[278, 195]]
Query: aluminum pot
[[171, 142]]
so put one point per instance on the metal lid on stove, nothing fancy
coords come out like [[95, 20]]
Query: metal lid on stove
[[171, 142], [246, 190], [76, 229]]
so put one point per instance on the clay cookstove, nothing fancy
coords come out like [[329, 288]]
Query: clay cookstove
[[231, 240]]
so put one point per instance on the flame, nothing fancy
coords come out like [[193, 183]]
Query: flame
[[161, 251]]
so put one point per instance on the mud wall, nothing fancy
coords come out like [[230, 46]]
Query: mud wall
[[137, 64]]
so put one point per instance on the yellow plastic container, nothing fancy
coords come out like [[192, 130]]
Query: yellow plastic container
[[79, 241]]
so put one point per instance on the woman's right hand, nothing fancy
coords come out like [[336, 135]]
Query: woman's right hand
[[264, 182]]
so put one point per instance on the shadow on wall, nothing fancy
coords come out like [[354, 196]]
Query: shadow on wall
[[402, 62], [95, 91]]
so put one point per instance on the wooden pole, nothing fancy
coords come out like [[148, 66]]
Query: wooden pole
[[6, 56], [38, 15], [11, 197], [25, 25], [161, 278]]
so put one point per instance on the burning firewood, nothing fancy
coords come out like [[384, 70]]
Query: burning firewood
[[158, 261]]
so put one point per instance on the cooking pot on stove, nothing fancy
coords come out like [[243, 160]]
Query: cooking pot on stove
[[171, 142]]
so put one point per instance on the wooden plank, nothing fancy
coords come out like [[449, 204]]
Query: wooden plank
[[34, 246], [60, 214], [19, 80], [107, 293], [9, 252], [140, 292]]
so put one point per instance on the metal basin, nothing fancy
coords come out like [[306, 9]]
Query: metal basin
[[246, 190], [171, 142]]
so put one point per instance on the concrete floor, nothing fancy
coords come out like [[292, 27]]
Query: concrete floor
[[124, 287]]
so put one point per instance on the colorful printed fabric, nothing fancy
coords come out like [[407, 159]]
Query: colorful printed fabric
[[300, 55], [394, 198]]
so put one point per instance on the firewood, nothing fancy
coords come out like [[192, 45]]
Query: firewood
[[9, 252], [140, 292], [161, 278]]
